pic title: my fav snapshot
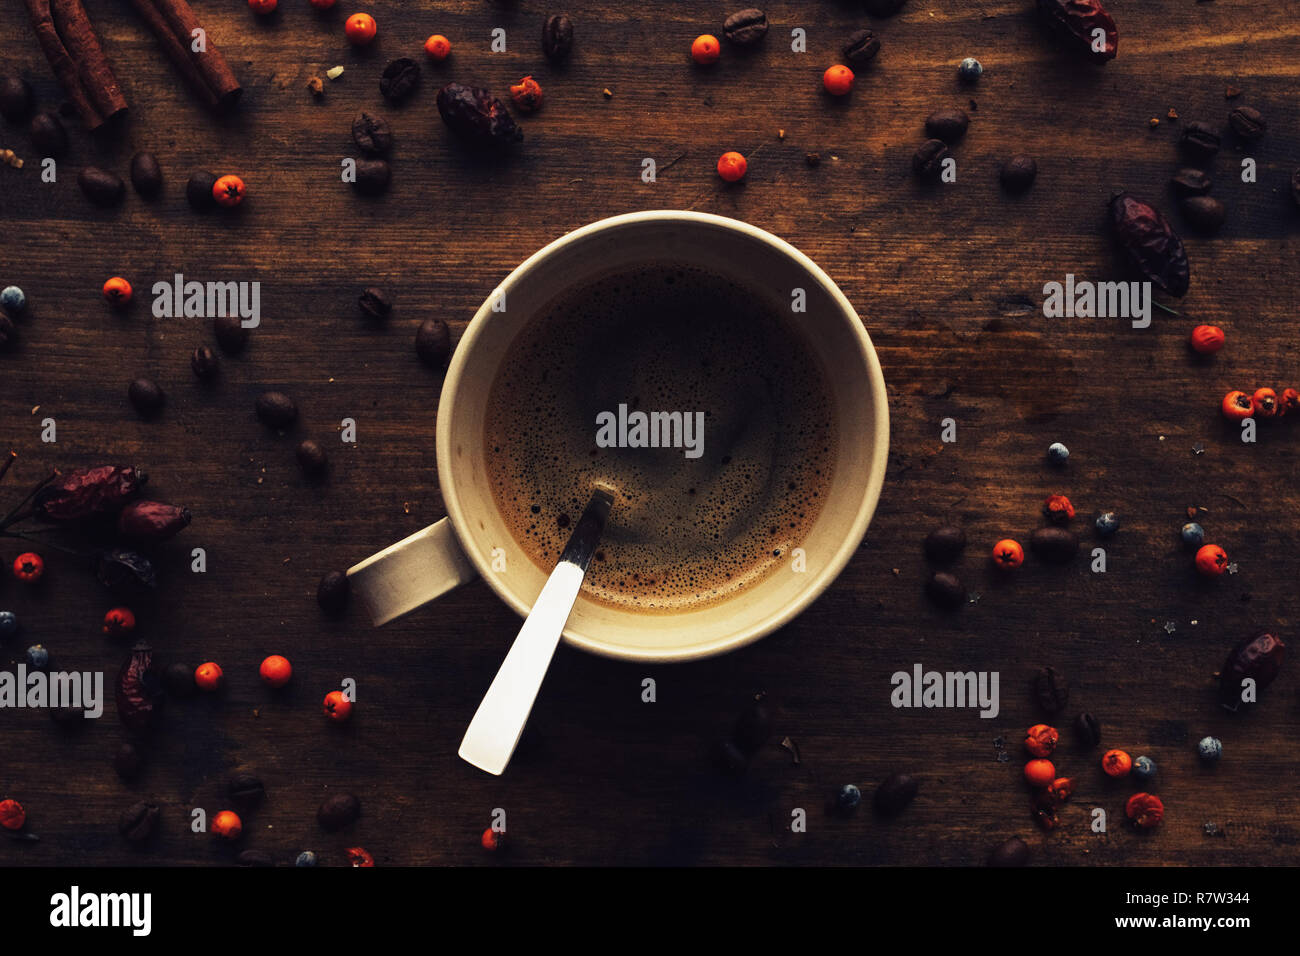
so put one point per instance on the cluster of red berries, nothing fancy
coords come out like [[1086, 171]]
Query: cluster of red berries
[[1145, 809], [1263, 403], [1040, 773]]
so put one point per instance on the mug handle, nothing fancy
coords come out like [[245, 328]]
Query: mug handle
[[411, 572]]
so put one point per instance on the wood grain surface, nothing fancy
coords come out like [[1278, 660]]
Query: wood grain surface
[[948, 281]]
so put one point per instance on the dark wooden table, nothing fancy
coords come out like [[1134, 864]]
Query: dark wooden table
[[948, 281]]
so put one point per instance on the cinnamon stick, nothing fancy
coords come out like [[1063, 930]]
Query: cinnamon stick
[[68, 40], [207, 72]]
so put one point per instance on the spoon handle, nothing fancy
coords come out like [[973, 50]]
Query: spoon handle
[[499, 721]]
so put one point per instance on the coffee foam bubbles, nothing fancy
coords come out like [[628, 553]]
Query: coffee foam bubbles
[[682, 532]]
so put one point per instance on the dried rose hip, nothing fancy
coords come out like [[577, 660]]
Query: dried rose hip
[[152, 520], [1077, 21], [1148, 245], [1145, 810], [1061, 788], [477, 116], [358, 856], [1058, 508], [139, 689], [1040, 740], [1257, 658], [89, 491], [12, 815], [527, 95]]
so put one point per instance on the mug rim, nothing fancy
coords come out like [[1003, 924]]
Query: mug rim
[[852, 536]]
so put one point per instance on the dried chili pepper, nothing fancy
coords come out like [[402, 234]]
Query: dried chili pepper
[[1077, 22], [152, 520], [477, 116], [139, 689], [120, 566], [1148, 245], [89, 491], [1257, 658]]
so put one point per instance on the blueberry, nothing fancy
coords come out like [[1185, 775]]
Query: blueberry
[[13, 300], [38, 658], [1057, 453], [8, 625], [1193, 534], [1107, 524], [1210, 748], [305, 858], [970, 70], [849, 797], [1144, 768]]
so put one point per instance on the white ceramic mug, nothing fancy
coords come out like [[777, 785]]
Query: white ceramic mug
[[460, 546]]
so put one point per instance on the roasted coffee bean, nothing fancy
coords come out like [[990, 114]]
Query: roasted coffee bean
[[727, 757], [895, 793], [375, 303], [1205, 214], [129, 761], [230, 333], [861, 48], [947, 125], [312, 458], [332, 592], [198, 190], [399, 79], [753, 726], [204, 362], [102, 187], [557, 38], [1051, 690], [1190, 182], [276, 409], [746, 27], [1018, 173], [884, 8], [146, 396], [146, 174], [338, 811], [433, 343], [178, 680], [946, 590], [372, 134], [1247, 123], [1200, 141], [373, 176], [16, 99], [927, 162], [1088, 729], [1013, 852], [945, 545], [246, 790], [1054, 545], [477, 117], [254, 858], [8, 331], [49, 136], [137, 822]]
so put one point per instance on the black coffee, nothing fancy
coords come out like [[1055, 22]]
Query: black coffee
[[712, 509]]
